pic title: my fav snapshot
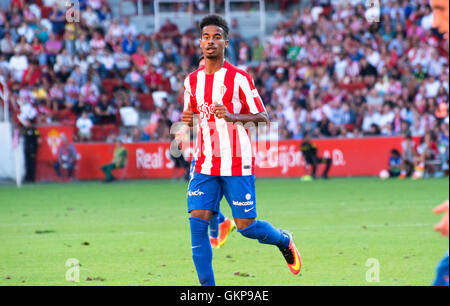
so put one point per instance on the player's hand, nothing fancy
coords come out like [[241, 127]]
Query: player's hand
[[221, 112], [442, 227], [188, 118]]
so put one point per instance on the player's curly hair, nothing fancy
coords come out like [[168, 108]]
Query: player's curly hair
[[215, 20]]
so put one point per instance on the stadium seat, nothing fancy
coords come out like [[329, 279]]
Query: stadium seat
[[352, 86], [147, 103], [98, 133], [101, 132], [327, 10], [350, 127], [45, 12], [66, 117], [129, 116], [109, 84], [166, 85]]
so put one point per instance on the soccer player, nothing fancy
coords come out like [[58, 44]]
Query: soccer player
[[442, 274], [225, 98], [220, 226], [441, 22]]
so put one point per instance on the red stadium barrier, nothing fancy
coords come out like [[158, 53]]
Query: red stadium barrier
[[351, 157], [46, 11]]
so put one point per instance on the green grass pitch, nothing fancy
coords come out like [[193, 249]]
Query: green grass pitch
[[137, 233]]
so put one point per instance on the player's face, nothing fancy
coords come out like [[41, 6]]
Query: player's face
[[441, 15], [213, 42]]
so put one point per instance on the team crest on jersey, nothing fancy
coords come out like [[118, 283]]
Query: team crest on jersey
[[223, 90], [206, 111]]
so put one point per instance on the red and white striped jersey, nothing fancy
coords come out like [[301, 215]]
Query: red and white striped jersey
[[222, 148]]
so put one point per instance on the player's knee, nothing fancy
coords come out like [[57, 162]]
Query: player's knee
[[202, 214], [242, 224], [250, 231]]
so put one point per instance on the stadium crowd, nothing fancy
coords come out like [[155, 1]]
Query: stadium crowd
[[325, 71]]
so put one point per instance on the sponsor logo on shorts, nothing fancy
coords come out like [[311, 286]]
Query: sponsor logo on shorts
[[248, 203], [195, 193]]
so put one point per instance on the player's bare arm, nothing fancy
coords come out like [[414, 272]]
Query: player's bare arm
[[442, 227], [221, 112]]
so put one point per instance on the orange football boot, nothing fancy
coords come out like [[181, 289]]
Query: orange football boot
[[292, 256], [225, 230], [214, 242]]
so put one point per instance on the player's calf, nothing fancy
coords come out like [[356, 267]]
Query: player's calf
[[201, 251], [265, 233]]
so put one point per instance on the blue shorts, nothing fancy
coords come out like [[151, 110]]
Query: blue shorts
[[442, 272], [219, 196], [206, 191]]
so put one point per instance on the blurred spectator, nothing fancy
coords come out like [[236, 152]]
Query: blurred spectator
[[119, 161], [105, 112], [84, 126], [115, 31], [135, 79], [139, 136], [310, 154], [169, 30], [128, 28], [7, 45], [129, 44], [89, 92], [90, 17], [408, 157], [395, 163], [32, 140], [32, 75], [67, 158], [18, 63], [426, 162], [52, 48]]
